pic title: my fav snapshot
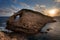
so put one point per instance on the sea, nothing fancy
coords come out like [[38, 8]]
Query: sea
[[3, 22], [53, 34]]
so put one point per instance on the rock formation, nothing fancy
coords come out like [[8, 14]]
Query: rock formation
[[29, 21]]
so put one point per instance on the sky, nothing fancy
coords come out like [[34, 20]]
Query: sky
[[9, 7]]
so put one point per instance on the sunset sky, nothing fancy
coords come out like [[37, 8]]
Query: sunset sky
[[8, 7]]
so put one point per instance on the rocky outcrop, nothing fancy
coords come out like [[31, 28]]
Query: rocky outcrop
[[29, 21]]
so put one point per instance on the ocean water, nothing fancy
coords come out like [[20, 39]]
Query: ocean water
[[3, 23], [53, 34]]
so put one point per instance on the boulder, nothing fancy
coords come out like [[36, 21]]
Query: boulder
[[29, 21]]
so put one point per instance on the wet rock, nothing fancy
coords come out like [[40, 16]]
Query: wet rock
[[12, 36], [29, 21]]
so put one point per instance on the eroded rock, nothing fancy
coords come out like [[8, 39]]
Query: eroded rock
[[12, 36], [29, 22], [3, 36]]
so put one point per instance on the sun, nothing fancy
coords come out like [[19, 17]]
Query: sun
[[52, 12]]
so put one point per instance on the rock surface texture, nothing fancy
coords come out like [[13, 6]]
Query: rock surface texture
[[29, 21], [12, 36]]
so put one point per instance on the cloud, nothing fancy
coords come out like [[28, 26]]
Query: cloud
[[42, 6], [24, 5], [14, 8], [57, 3], [21, 4], [39, 8], [9, 11], [56, 0], [4, 12]]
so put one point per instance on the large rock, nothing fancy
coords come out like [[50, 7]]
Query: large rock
[[29, 21]]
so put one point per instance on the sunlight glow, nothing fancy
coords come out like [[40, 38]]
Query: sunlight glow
[[52, 12]]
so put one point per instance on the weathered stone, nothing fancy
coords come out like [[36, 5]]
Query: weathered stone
[[3, 36], [12, 36], [29, 22]]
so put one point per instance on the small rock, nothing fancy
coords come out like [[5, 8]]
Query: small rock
[[12, 36]]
